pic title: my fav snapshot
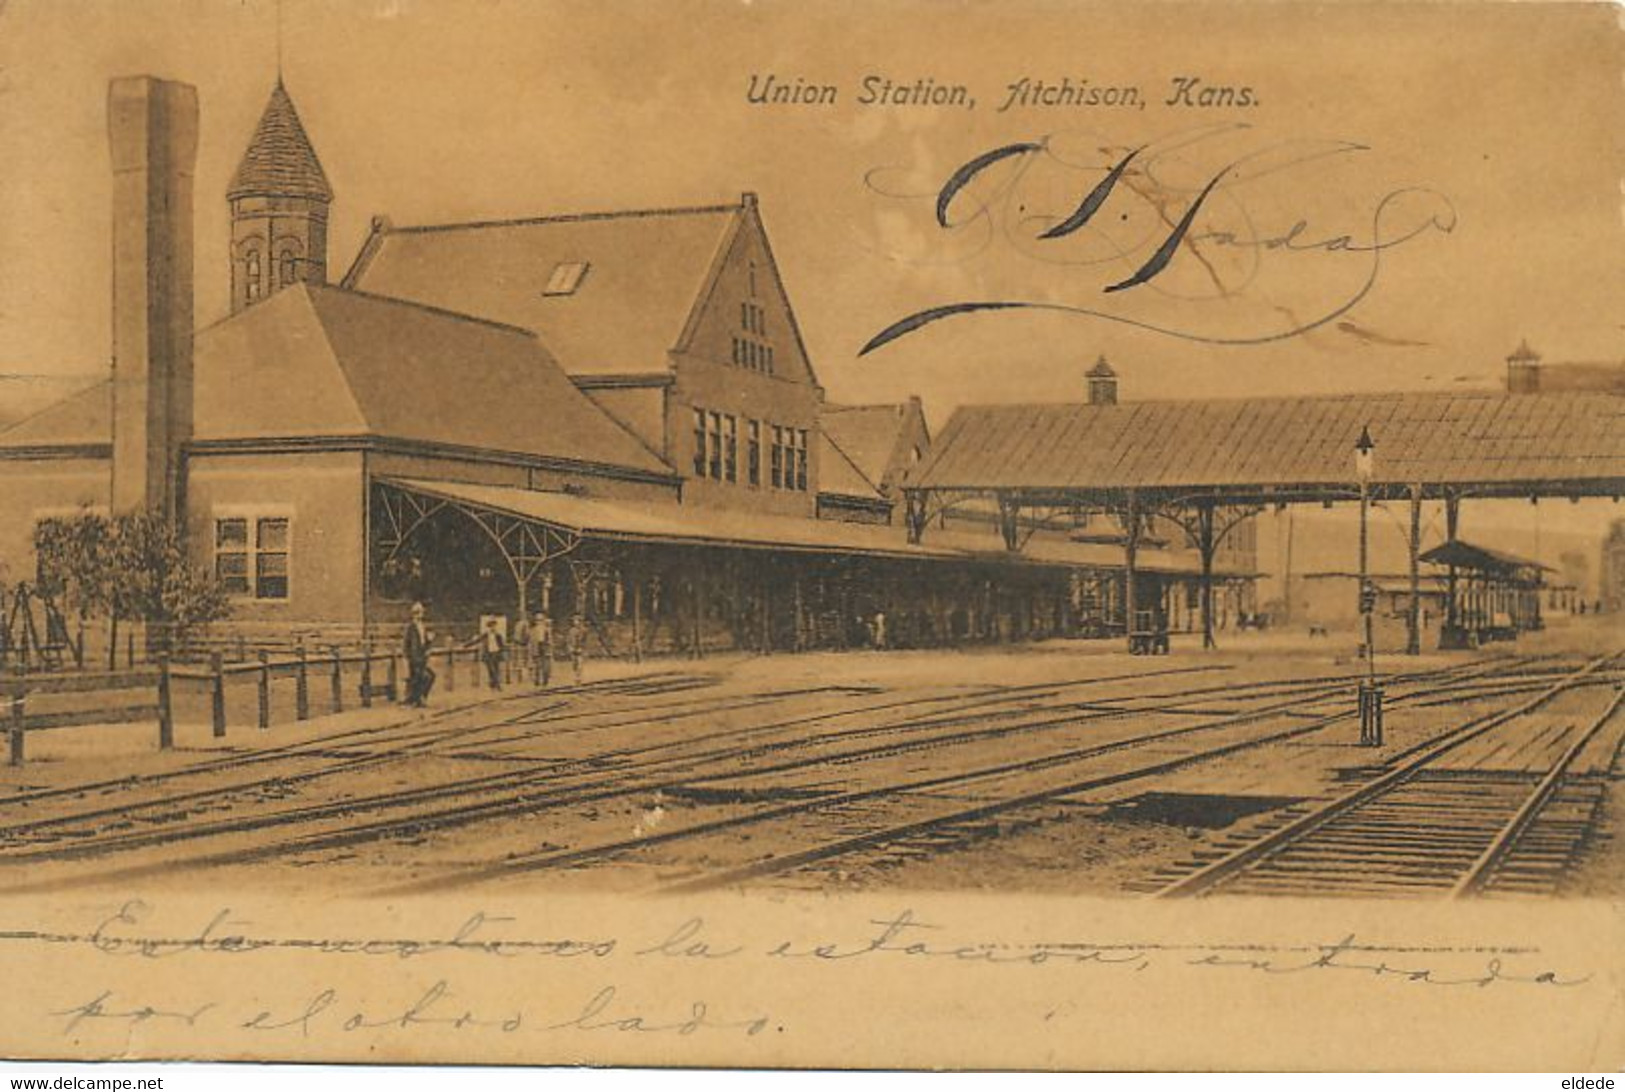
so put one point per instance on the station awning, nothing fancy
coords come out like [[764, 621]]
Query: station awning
[[1466, 555], [685, 525]]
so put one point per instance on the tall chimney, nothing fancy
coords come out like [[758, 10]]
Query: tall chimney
[[152, 129], [1102, 384]]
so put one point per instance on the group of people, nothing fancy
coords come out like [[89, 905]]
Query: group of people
[[533, 638]]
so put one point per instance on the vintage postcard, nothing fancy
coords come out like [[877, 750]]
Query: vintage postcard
[[1040, 534]]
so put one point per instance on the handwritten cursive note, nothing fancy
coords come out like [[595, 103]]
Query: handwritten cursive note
[[1182, 216]]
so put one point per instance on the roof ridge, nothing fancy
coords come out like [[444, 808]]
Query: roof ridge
[[28, 418], [444, 312], [561, 218], [1341, 396]]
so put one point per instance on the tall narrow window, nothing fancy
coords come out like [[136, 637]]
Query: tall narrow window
[[730, 448], [753, 452], [251, 274], [778, 457], [290, 268], [715, 451], [699, 443], [801, 459], [271, 558], [231, 555]]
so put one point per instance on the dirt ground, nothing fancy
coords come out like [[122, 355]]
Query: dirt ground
[[665, 773]]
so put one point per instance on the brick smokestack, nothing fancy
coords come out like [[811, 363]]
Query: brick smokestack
[[152, 129]]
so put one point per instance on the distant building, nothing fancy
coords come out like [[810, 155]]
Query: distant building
[[1528, 374], [1613, 568]]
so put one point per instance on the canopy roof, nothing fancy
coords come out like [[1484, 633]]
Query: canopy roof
[[1466, 555], [1263, 448], [677, 524]]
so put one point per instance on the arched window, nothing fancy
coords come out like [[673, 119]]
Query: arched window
[[251, 274], [290, 267]]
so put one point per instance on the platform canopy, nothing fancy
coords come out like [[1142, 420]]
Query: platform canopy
[[1466, 555], [554, 524], [1274, 450]]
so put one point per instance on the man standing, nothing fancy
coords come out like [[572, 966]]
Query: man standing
[[541, 649], [578, 645], [492, 645], [419, 675]]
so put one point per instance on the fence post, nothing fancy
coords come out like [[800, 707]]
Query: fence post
[[338, 681], [301, 693], [217, 694], [265, 690], [451, 665], [366, 675], [392, 678], [18, 727], [166, 713], [129, 649]]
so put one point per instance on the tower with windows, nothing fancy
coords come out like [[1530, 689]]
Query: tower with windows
[[279, 203]]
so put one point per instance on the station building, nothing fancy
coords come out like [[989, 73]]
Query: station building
[[611, 414]]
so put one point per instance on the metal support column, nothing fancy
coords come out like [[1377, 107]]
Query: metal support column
[[1205, 543], [1413, 635], [1131, 549]]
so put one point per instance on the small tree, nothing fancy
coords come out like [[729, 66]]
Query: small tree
[[130, 567]]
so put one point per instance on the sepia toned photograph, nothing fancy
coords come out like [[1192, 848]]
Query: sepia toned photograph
[[908, 535]]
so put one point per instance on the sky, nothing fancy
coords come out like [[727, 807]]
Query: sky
[[1489, 132]]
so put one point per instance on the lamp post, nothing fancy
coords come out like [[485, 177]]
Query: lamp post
[[1370, 694]]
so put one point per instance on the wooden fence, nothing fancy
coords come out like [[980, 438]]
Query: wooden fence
[[322, 681]]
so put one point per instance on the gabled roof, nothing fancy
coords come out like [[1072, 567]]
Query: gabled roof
[[323, 362], [644, 272], [1469, 555], [1429, 438], [839, 476], [280, 160], [868, 437], [82, 418]]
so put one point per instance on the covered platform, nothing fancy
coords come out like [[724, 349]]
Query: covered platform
[[668, 577], [1492, 595], [1207, 466]]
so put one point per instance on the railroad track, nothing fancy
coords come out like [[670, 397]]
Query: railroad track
[[858, 821], [1423, 829], [594, 777]]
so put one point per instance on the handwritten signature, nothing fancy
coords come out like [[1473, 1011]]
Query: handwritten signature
[[1136, 216]]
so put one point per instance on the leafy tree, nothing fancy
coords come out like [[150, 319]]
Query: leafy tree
[[128, 568]]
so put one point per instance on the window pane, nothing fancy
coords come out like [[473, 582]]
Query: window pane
[[231, 570], [272, 534], [273, 565], [231, 532], [271, 587]]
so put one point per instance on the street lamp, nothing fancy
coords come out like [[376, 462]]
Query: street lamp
[[1370, 694]]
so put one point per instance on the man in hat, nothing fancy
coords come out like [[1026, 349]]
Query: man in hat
[[417, 642]]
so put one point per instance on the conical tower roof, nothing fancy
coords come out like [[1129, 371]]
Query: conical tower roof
[[280, 160]]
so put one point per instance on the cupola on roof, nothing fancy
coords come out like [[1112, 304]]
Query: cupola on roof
[[280, 160]]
